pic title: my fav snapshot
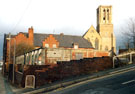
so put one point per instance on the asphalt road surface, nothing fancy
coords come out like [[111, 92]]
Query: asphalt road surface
[[118, 84]]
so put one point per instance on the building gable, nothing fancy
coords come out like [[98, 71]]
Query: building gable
[[50, 42], [93, 36]]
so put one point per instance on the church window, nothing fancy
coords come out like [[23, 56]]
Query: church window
[[88, 39], [100, 47], [103, 18], [106, 48], [107, 14], [104, 10], [103, 14], [107, 10], [96, 44], [92, 31]]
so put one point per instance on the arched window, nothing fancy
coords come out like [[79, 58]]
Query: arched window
[[96, 44], [106, 48], [108, 10], [88, 39], [104, 15], [100, 47], [107, 14]]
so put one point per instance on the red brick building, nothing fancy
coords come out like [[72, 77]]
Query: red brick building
[[52, 41]]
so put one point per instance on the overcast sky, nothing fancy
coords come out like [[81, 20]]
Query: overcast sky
[[72, 17]]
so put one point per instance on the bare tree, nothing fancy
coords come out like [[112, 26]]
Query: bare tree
[[20, 49], [129, 32]]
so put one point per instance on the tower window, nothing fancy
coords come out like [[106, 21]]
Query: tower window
[[104, 14], [107, 10], [107, 14], [103, 18]]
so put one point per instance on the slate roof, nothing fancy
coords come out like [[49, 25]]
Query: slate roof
[[64, 40]]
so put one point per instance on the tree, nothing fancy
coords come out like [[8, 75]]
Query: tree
[[20, 49], [129, 32]]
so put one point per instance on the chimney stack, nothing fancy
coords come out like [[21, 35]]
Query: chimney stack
[[31, 36]]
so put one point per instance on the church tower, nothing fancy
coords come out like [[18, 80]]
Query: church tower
[[105, 28]]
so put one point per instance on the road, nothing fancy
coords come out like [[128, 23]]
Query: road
[[123, 83]]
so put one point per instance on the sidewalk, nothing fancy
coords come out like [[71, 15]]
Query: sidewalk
[[2, 86], [5, 86]]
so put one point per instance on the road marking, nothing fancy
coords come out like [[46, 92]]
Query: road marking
[[128, 82]]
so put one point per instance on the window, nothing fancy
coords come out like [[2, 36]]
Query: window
[[104, 12], [96, 44], [54, 45], [76, 46], [107, 10], [47, 45], [79, 56], [88, 39], [103, 18], [106, 48], [100, 47], [92, 31]]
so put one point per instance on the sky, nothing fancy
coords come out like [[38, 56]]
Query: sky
[[72, 17]]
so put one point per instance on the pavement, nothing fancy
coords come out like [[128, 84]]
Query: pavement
[[7, 88], [2, 85]]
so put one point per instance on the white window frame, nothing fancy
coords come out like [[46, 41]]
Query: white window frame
[[47, 45], [75, 46], [54, 46]]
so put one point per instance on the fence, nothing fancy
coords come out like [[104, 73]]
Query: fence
[[124, 58]]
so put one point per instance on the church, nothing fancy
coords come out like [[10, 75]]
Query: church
[[102, 38]]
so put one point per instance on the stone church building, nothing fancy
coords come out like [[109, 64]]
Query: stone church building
[[102, 38]]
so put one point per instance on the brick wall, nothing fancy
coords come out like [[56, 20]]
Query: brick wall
[[19, 38], [101, 53], [50, 41], [46, 74]]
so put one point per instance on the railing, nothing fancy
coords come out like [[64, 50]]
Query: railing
[[130, 54]]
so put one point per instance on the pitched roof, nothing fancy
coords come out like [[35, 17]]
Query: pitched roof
[[64, 40]]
